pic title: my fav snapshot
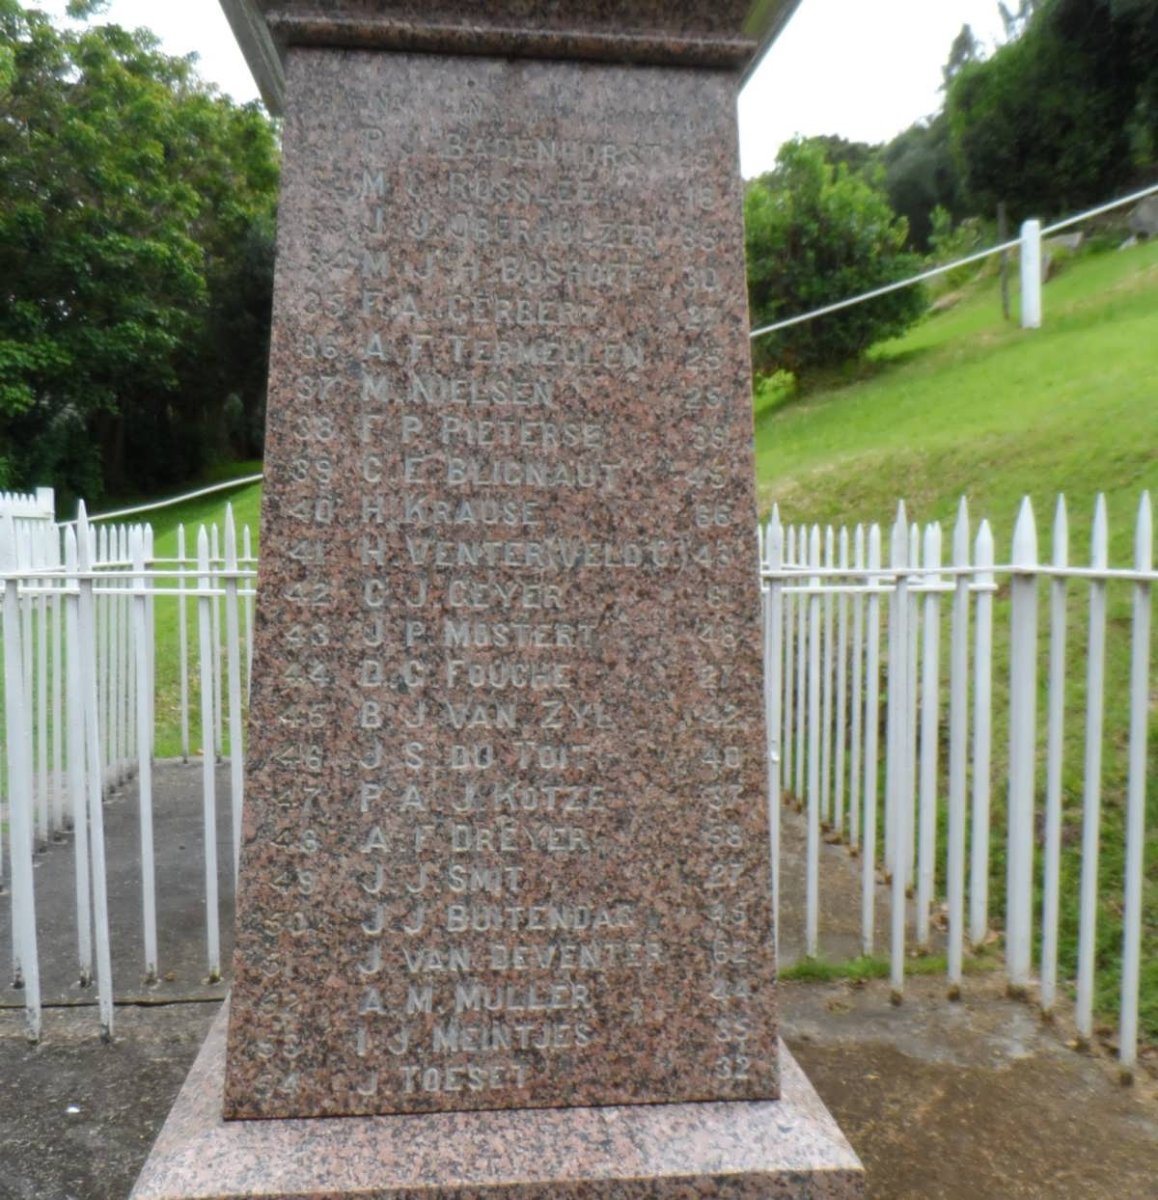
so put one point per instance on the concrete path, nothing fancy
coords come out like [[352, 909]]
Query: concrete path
[[941, 1100]]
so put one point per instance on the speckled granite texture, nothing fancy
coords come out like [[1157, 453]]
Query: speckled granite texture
[[727, 1151], [717, 33], [506, 825]]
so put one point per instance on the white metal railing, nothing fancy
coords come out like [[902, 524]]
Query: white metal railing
[[830, 679], [883, 718], [78, 633]]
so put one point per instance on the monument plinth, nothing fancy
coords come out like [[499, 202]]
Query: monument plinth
[[503, 909]]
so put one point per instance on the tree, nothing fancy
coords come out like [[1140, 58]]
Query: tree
[[921, 176], [966, 49], [816, 234], [1063, 115], [129, 192]]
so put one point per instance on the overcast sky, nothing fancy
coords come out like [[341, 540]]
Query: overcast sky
[[864, 69]]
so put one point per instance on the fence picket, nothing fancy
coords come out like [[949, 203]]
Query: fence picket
[[958, 750], [183, 640], [233, 671], [217, 738], [1051, 886], [59, 817], [94, 825], [812, 885], [208, 756], [801, 669], [789, 675], [247, 558], [773, 671], [26, 961], [1136, 793], [841, 731], [912, 719], [1022, 750], [901, 789], [930, 717], [144, 754], [982, 739], [1092, 785], [872, 674], [856, 722], [827, 680], [39, 604], [77, 783]]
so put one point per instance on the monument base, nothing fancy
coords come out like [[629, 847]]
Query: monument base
[[729, 1151]]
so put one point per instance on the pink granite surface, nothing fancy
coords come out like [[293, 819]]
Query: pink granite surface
[[789, 1148], [506, 824], [718, 33]]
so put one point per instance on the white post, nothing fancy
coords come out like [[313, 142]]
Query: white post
[[205, 604], [1136, 793], [1022, 750], [1092, 788], [872, 675], [958, 749], [1031, 275], [1051, 884], [930, 722], [144, 754], [19, 786], [812, 902], [982, 739]]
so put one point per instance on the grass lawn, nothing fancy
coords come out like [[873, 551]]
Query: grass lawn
[[966, 404]]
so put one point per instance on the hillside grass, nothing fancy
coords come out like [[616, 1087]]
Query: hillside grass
[[969, 405]]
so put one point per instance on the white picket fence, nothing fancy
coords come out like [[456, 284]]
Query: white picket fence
[[78, 628], [880, 696], [854, 632]]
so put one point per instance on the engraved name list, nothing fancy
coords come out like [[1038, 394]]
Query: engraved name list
[[506, 821]]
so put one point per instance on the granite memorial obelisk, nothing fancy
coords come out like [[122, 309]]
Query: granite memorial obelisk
[[503, 910]]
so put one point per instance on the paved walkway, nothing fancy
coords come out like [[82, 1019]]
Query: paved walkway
[[941, 1100]]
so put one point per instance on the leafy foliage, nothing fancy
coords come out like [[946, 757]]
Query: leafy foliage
[[921, 176], [1062, 115], [136, 219], [818, 233]]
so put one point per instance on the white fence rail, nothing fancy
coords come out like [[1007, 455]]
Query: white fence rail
[[78, 633], [887, 722], [843, 697]]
